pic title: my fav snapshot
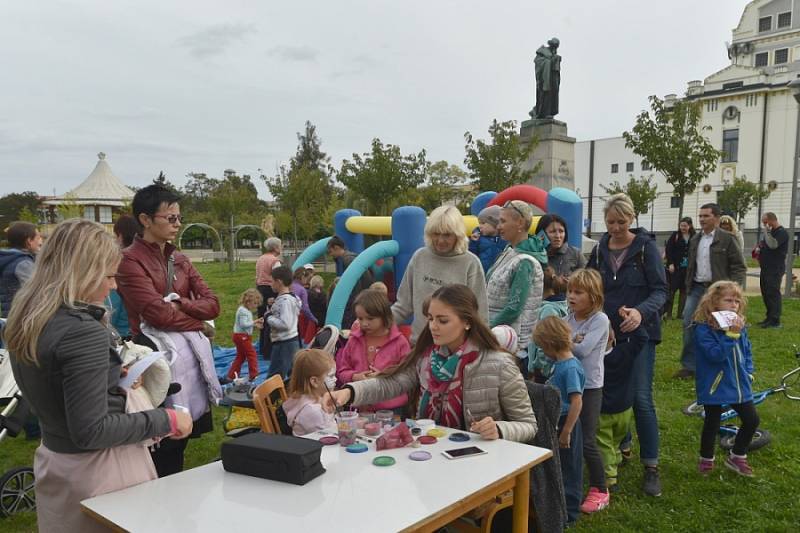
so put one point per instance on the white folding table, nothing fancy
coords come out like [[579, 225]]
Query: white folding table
[[353, 495]]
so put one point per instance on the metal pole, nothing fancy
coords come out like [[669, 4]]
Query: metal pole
[[794, 87]]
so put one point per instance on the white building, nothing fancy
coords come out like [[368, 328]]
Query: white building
[[752, 115]]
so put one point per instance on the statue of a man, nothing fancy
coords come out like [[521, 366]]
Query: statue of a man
[[548, 79]]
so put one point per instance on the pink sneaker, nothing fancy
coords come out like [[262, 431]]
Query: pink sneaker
[[705, 466], [739, 465], [595, 501]]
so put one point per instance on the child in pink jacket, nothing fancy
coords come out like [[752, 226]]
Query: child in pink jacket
[[375, 345]]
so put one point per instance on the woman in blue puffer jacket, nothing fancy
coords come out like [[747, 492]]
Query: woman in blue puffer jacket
[[724, 373]]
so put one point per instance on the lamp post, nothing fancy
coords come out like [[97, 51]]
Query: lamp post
[[794, 87]]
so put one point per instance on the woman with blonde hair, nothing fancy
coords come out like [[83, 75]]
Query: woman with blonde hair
[[635, 289], [516, 279], [65, 361], [727, 223], [442, 261]]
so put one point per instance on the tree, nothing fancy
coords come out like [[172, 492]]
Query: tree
[[497, 165], [440, 187], [25, 214], [309, 152], [382, 176], [12, 204], [642, 193], [162, 180], [672, 141], [739, 196]]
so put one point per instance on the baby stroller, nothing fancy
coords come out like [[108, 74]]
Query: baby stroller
[[16, 485]]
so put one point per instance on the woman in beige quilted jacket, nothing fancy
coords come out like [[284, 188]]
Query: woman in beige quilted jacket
[[460, 375]]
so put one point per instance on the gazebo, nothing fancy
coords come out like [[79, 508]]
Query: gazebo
[[98, 198]]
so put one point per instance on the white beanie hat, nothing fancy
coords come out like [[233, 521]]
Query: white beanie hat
[[507, 337]]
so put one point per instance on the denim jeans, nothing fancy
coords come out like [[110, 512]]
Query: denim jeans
[[572, 470], [282, 357], [696, 292], [644, 410]]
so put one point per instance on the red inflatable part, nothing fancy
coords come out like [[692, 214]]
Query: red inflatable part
[[526, 193]]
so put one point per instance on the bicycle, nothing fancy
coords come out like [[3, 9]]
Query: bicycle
[[762, 437]]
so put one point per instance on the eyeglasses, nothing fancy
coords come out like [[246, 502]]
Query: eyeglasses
[[510, 205], [172, 219]]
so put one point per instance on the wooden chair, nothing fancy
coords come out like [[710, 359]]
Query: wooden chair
[[264, 402], [465, 524]]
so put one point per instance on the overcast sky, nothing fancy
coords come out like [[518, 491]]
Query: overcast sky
[[207, 85]]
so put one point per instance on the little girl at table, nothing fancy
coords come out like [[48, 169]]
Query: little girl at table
[[375, 344], [313, 375]]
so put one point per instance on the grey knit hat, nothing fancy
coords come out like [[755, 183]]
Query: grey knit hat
[[490, 215]]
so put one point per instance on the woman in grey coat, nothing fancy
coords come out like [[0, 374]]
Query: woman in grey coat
[[564, 259], [459, 373]]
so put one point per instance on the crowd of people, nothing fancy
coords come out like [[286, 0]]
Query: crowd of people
[[486, 312]]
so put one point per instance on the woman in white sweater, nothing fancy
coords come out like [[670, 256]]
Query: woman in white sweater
[[443, 261]]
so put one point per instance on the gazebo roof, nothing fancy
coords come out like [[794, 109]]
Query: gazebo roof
[[101, 187]]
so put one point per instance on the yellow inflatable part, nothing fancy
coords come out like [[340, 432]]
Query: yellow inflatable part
[[383, 225], [370, 225]]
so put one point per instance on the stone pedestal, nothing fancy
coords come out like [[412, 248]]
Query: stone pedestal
[[556, 152]]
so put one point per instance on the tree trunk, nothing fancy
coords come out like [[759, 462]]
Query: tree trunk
[[680, 210]]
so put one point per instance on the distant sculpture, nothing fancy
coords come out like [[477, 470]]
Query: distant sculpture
[[268, 225], [548, 79]]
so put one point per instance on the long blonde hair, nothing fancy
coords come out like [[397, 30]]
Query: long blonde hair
[[712, 297], [71, 266]]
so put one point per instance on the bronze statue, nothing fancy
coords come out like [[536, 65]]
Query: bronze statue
[[548, 79]]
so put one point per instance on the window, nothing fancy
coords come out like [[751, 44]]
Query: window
[[732, 85], [762, 59], [646, 165], [105, 214], [614, 168], [675, 202], [730, 146], [88, 212], [765, 24], [628, 167], [781, 56], [785, 19]]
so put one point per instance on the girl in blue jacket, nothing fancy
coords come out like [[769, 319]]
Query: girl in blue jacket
[[724, 373]]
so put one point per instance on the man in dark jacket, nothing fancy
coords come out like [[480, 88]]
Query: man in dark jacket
[[772, 250], [16, 262], [343, 258], [714, 255]]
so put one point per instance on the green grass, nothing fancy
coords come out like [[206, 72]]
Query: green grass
[[767, 502]]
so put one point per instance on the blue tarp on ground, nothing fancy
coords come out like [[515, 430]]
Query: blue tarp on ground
[[223, 358]]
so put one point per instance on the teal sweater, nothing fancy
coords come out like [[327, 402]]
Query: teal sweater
[[551, 306]]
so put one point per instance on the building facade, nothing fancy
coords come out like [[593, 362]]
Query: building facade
[[750, 114]]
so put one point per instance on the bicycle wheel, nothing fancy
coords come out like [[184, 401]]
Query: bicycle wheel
[[16, 491], [761, 438]]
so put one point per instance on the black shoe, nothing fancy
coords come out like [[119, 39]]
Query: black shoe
[[683, 373], [763, 323], [651, 484], [772, 325]]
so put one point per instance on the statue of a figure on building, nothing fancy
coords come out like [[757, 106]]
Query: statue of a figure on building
[[548, 79]]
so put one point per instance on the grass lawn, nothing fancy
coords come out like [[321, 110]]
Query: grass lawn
[[767, 502]]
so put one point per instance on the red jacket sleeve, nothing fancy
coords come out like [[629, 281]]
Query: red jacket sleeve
[[203, 304], [145, 303]]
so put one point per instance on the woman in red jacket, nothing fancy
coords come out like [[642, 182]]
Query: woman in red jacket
[[152, 269]]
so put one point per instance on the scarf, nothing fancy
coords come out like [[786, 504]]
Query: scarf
[[443, 399]]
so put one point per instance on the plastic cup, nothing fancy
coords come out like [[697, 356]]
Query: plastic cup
[[385, 417], [347, 426]]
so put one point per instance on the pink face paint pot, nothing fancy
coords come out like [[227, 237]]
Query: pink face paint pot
[[372, 429], [330, 440], [427, 439]]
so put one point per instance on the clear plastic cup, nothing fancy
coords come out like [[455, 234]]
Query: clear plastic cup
[[385, 417], [347, 426]]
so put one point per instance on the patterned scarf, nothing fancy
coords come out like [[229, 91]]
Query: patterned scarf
[[443, 399]]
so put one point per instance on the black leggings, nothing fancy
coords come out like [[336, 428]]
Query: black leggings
[[747, 413]]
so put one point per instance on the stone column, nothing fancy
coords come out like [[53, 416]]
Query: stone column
[[555, 151]]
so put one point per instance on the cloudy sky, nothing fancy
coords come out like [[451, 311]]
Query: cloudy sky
[[207, 85]]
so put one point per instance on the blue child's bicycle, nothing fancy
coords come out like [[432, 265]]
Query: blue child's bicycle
[[789, 388]]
